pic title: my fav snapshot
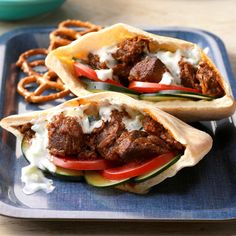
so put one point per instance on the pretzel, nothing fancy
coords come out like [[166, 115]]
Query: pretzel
[[46, 82], [69, 31], [28, 67]]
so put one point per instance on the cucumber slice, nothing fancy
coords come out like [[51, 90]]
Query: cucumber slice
[[156, 97], [102, 86], [187, 94], [94, 178], [173, 95], [72, 175], [156, 172]]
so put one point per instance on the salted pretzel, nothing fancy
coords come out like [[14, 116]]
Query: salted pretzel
[[47, 80], [69, 31], [27, 66]]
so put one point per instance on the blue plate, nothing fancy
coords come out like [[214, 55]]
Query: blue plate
[[206, 191]]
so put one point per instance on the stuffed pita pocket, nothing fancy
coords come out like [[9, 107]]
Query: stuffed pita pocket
[[108, 139], [175, 75]]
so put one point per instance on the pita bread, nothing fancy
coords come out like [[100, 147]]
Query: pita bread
[[197, 143], [60, 61]]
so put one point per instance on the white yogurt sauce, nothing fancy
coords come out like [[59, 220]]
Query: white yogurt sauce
[[39, 158], [105, 112], [104, 74], [168, 79], [193, 56], [34, 180], [171, 61], [88, 127], [132, 123], [105, 55], [37, 152]]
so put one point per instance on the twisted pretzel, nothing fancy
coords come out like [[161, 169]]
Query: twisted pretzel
[[86, 26], [69, 31], [27, 66], [46, 82]]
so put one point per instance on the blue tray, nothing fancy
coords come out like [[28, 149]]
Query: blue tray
[[204, 192]]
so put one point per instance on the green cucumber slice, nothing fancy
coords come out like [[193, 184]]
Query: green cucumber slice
[[102, 86], [173, 95], [156, 97], [72, 175], [94, 178], [156, 172], [187, 94]]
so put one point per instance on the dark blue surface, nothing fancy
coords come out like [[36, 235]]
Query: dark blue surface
[[204, 192]]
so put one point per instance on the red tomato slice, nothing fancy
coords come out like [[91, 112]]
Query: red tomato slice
[[135, 169], [111, 81], [72, 164], [148, 87], [83, 70]]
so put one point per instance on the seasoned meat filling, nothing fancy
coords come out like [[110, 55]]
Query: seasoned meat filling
[[111, 141], [203, 78], [134, 63], [150, 69], [131, 50], [154, 128], [121, 73], [65, 136], [107, 137], [188, 75], [209, 81], [26, 130], [94, 62], [137, 145]]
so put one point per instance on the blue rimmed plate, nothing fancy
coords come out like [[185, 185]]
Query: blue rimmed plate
[[204, 192]]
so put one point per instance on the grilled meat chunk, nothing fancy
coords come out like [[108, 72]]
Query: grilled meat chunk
[[131, 50], [203, 78], [208, 79], [150, 69], [26, 130], [94, 62], [65, 136], [136, 145], [154, 128], [107, 136], [188, 75]]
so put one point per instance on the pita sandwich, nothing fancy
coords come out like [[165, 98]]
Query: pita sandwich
[[175, 75], [113, 129]]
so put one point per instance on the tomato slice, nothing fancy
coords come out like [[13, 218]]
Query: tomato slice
[[83, 70], [86, 71], [148, 87], [72, 164], [134, 169]]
